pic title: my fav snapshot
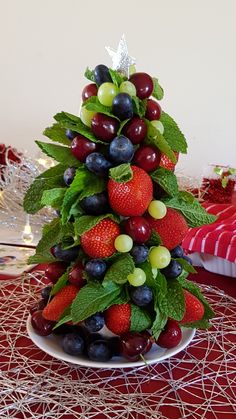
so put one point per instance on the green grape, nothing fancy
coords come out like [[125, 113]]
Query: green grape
[[157, 209], [137, 278], [123, 243], [159, 257], [158, 125], [106, 93], [128, 87], [86, 116]]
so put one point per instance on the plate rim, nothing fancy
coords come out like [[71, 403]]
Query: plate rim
[[76, 361]]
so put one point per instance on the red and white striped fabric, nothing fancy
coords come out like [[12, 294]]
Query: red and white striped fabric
[[219, 238]]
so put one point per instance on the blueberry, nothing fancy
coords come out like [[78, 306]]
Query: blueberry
[[99, 350], [115, 345], [71, 134], [95, 322], [141, 296], [45, 292], [73, 344], [66, 255], [101, 74], [96, 268], [95, 204], [121, 150], [69, 175], [122, 106], [177, 252], [173, 270], [139, 253], [97, 163], [188, 259]]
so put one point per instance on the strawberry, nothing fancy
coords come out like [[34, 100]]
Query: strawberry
[[98, 242], [60, 302], [167, 163], [117, 318], [172, 228], [194, 309], [133, 197]]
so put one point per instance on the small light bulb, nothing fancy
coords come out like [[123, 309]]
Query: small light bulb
[[27, 235]]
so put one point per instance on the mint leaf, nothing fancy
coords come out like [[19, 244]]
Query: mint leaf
[[154, 137], [122, 124], [62, 281], [186, 265], [72, 193], [117, 78], [155, 239], [64, 319], [86, 222], [146, 267], [93, 185], [194, 213], [173, 135], [158, 92], [51, 236], [57, 134], [159, 322], [89, 74], [40, 258], [92, 299], [166, 179], [53, 197], [139, 106], [59, 153], [51, 178], [187, 196], [159, 289], [140, 319], [122, 173], [93, 104], [173, 305], [119, 271]]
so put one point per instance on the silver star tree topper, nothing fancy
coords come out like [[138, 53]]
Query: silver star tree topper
[[121, 61]]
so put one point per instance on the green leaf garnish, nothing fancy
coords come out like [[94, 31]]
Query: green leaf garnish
[[173, 135], [53, 197], [86, 222], [93, 104], [89, 74], [119, 270], [154, 137], [59, 153], [117, 78], [72, 193], [139, 106], [122, 173], [186, 265], [166, 179], [158, 92], [140, 319], [173, 305], [57, 134]]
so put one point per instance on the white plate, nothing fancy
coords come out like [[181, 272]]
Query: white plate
[[51, 345]]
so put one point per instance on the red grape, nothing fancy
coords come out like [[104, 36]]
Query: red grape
[[143, 83], [89, 90], [147, 157], [37, 306], [171, 335], [81, 147], [153, 111], [138, 228], [104, 127], [42, 326], [55, 270], [133, 345], [135, 130], [76, 275]]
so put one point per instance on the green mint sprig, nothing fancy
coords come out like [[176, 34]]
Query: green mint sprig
[[89, 74], [174, 137], [122, 173], [117, 77], [140, 319], [57, 134], [154, 137], [158, 92], [59, 153], [86, 222], [119, 270], [93, 104], [166, 179]]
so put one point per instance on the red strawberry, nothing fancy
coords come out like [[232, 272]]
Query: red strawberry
[[172, 228], [60, 302], [133, 197], [99, 241], [117, 318], [194, 309], [167, 163]]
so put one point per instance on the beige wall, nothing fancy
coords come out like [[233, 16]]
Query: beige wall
[[189, 45]]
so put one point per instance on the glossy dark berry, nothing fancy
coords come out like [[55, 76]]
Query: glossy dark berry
[[141, 296], [188, 259], [147, 157], [171, 335], [173, 270], [45, 293], [149, 338], [99, 350], [55, 270], [96, 268], [81, 147], [143, 83], [73, 344], [97, 164], [138, 228], [37, 306], [76, 275], [153, 111], [89, 90], [121, 150], [96, 204], [70, 134], [66, 255], [177, 252], [135, 130], [101, 74], [69, 175], [42, 326], [133, 345], [139, 253], [122, 106], [95, 322], [104, 127]]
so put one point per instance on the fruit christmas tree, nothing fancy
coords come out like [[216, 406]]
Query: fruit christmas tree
[[114, 249]]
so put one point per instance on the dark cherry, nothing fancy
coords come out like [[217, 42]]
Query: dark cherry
[[147, 157], [153, 111], [37, 306], [143, 83], [133, 345], [138, 228], [41, 326], [171, 335], [104, 127], [135, 130], [81, 147], [76, 275], [89, 90], [149, 338], [55, 270]]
